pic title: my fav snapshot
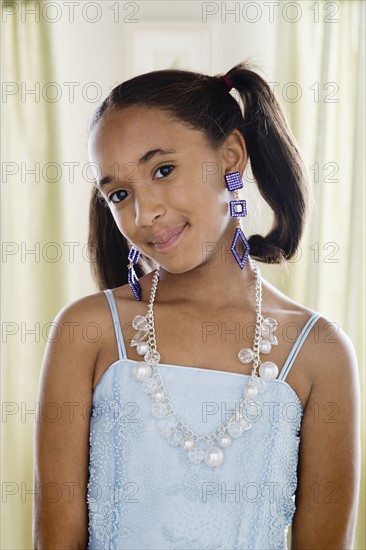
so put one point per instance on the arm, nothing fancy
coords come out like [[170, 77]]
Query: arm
[[62, 433], [329, 461]]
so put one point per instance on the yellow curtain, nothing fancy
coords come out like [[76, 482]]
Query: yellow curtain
[[32, 278], [320, 77]]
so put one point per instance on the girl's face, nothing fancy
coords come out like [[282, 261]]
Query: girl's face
[[164, 186]]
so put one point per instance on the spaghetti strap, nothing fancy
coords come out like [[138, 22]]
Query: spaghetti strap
[[297, 346], [117, 325]]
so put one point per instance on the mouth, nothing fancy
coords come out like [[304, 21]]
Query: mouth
[[167, 239]]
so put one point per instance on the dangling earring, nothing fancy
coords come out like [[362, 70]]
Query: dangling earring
[[133, 280], [238, 209]]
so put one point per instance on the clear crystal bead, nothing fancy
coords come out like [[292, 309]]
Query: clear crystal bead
[[239, 411], [138, 337], [271, 322], [273, 340], [234, 429], [245, 355], [159, 410], [245, 424], [250, 391], [166, 425], [152, 356], [253, 412], [149, 385], [175, 438], [260, 384], [196, 455], [140, 323]]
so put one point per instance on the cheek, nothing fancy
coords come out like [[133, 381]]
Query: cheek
[[121, 222], [213, 203]]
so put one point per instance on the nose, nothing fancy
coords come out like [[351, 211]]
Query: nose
[[148, 207]]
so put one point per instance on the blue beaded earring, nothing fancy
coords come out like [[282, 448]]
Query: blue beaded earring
[[238, 208], [133, 280]]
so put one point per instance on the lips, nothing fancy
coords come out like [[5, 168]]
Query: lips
[[163, 236]]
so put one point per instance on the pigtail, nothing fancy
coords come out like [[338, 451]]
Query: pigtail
[[276, 165]]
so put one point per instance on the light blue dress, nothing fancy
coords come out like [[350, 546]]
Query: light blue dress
[[144, 493]]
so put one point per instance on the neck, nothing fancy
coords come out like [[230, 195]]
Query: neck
[[217, 283]]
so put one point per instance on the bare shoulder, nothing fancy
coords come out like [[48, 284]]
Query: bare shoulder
[[327, 359], [87, 308], [328, 350], [334, 358], [87, 320], [77, 335]]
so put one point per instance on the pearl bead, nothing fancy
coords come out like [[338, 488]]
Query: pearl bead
[[158, 395], [245, 355], [213, 456], [196, 455], [224, 440], [268, 370], [142, 348], [265, 346], [234, 429], [250, 391], [187, 443], [141, 371]]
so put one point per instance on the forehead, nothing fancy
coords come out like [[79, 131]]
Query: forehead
[[132, 131]]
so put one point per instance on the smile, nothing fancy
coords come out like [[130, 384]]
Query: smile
[[169, 239]]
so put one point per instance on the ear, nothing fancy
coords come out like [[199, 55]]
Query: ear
[[234, 153]]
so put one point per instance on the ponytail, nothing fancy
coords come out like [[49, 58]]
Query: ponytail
[[276, 165]]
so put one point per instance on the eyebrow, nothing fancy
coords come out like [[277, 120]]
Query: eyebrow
[[142, 160]]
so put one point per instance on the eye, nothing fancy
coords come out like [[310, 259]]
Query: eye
[[121, 193], [165, 170]]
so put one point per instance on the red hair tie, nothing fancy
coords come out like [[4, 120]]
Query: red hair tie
[[228, 82]]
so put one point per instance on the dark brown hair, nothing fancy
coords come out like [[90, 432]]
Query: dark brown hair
[[204, 103]]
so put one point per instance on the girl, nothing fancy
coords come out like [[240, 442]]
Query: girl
[[209, 427]]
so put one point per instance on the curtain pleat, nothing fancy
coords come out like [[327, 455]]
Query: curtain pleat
[[326, 59], [33, 280]]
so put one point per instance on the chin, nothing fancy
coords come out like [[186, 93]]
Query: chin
[[178, 267]]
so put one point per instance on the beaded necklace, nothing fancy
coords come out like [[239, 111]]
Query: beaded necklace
[[167, 423]]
